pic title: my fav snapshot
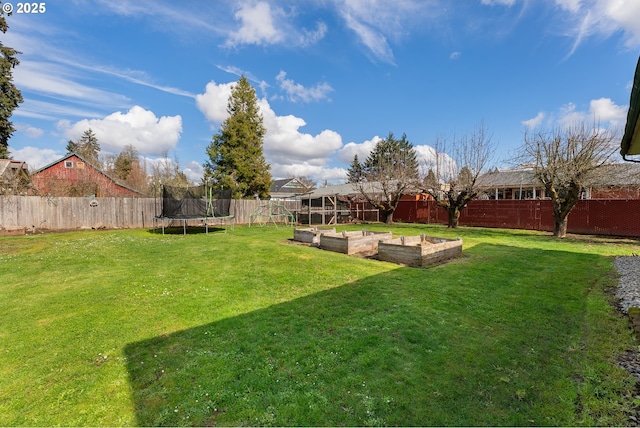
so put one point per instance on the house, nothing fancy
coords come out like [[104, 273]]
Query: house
[[74, 176], [614, 181], [14, 177], [287, 188], [510, 184]]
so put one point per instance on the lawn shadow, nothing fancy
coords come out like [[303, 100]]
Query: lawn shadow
[[190, 230], [448, 345]]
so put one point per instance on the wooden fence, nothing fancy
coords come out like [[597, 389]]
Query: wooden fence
[[596, 216], [64, 213], [614, 217]]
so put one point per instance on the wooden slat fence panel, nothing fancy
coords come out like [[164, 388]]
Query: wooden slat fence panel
[[61, 213]]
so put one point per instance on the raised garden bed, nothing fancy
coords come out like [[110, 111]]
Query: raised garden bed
[[419, 251], [310, 235], [361, 242]]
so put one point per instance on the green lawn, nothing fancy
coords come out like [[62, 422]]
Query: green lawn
[[247, 328]]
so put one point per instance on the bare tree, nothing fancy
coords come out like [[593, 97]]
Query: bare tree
[[167, 171], [567, 161], [390, 170], [452, 178]]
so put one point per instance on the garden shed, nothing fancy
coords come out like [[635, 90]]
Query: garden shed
[[341, 203]]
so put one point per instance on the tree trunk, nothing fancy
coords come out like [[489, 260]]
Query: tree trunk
[[388, 216], [454, 215], [560, 226]]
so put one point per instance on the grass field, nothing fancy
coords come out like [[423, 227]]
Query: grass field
[[247, 328]]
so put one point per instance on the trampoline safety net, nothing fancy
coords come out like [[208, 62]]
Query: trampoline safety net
[[195, 201]]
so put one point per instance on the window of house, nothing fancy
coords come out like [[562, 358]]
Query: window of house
[[68, 164]]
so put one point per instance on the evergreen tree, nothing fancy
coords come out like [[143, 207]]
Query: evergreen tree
[[88, 147], [236, 159], [389, 171], [125, 162], [10, 96], [72, 147], [354, 174]]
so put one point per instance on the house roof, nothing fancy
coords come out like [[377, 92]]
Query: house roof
[[347, 189], [287, 185], [337, 189], [507, 178], [630, 144], [617, 174], [68, 155]]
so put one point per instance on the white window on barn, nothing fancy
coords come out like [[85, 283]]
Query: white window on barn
[[68, 164]]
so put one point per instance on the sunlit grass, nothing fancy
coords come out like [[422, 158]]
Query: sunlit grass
[[247, 328]]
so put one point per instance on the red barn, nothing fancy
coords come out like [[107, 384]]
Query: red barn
[[74, 176]]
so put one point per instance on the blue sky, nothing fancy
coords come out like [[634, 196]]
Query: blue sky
[[332, 76]]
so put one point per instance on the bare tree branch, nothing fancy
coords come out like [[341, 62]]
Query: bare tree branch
[[453, 174], [567, 161]]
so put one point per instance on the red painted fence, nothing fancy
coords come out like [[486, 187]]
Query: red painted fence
[[617, 217]]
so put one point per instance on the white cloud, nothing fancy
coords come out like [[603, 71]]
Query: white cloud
[[286, 148], [352, 149], [587, 18], [297, 92], [31, 131], [51, 111], [605, 110], [213, 103], [310, 37], [569, 5], [373, 39], [602, 111], [138, 127], [499, 2], [454, 55], [35, 157], [426, 155], [376, 22], [534, 122], [263, 24], [53, 80], [284, 143], [257, 26], [569, 115], [333, 175], [194, 171]]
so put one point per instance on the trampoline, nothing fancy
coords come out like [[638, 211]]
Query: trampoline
[[193, 206]]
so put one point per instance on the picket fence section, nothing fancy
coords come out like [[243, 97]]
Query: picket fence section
[[64, 213]]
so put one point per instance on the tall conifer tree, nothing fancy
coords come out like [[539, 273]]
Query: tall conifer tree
[[236, 159], [10, 96]]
